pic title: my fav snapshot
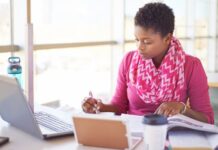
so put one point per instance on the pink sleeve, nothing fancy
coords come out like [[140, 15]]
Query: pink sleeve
[[120, 98], [198, 91]]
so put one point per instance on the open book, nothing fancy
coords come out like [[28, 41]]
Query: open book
[[199, 136], [193, 140], [187, 122], [174, 121]]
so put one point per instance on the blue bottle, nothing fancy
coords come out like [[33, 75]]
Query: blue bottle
[[15, 69]]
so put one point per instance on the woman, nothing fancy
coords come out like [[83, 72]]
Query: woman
[[159, 77]]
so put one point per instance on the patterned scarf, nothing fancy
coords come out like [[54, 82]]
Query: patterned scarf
[[163, 84]]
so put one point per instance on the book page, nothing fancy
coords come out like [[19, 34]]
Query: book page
[[184, 121], [213, 140], [188, 140], [137, 128]]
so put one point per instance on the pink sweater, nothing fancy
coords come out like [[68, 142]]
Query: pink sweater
[[196, 89]]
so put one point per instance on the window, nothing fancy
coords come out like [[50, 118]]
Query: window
[[5, 22], [201, 26], [71, 21], [68, 75]]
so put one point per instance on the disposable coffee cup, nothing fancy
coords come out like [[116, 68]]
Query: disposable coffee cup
[[155, 131]]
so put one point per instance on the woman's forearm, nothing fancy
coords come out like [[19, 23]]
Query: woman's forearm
[[109, 108], [196, 115]]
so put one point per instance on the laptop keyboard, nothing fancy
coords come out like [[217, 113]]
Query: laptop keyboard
[[52, 122]]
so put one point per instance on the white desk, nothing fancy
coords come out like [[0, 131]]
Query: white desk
[[20, 140], [212, 80]]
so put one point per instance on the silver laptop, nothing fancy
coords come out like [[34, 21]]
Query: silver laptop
[[15, 110]]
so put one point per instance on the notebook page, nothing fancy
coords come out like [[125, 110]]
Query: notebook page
[[189, 139], [213, 140], [184, 121]]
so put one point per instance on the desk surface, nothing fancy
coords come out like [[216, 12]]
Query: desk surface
[[24, 141], [213, 84], [21, 140], [212, 80]]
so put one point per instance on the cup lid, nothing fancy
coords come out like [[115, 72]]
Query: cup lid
[[154, 119]]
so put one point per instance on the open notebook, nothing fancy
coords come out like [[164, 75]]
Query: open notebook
[[103, 131], [193, 140]]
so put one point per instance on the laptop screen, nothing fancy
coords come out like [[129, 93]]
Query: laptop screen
[[14, 108]]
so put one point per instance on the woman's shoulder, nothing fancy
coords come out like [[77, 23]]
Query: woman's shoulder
[[126, 61], [129, 54], [193, 66], [191, 61], [128, 57]]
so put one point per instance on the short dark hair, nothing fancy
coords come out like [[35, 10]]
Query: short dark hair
[[157, 16]]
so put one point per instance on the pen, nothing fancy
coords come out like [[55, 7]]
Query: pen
[[90, 94], [95, 107]]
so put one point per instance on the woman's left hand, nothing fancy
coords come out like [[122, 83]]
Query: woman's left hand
[[169, 108]]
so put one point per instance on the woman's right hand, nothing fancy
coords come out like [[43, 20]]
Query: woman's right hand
[[92, 105]]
